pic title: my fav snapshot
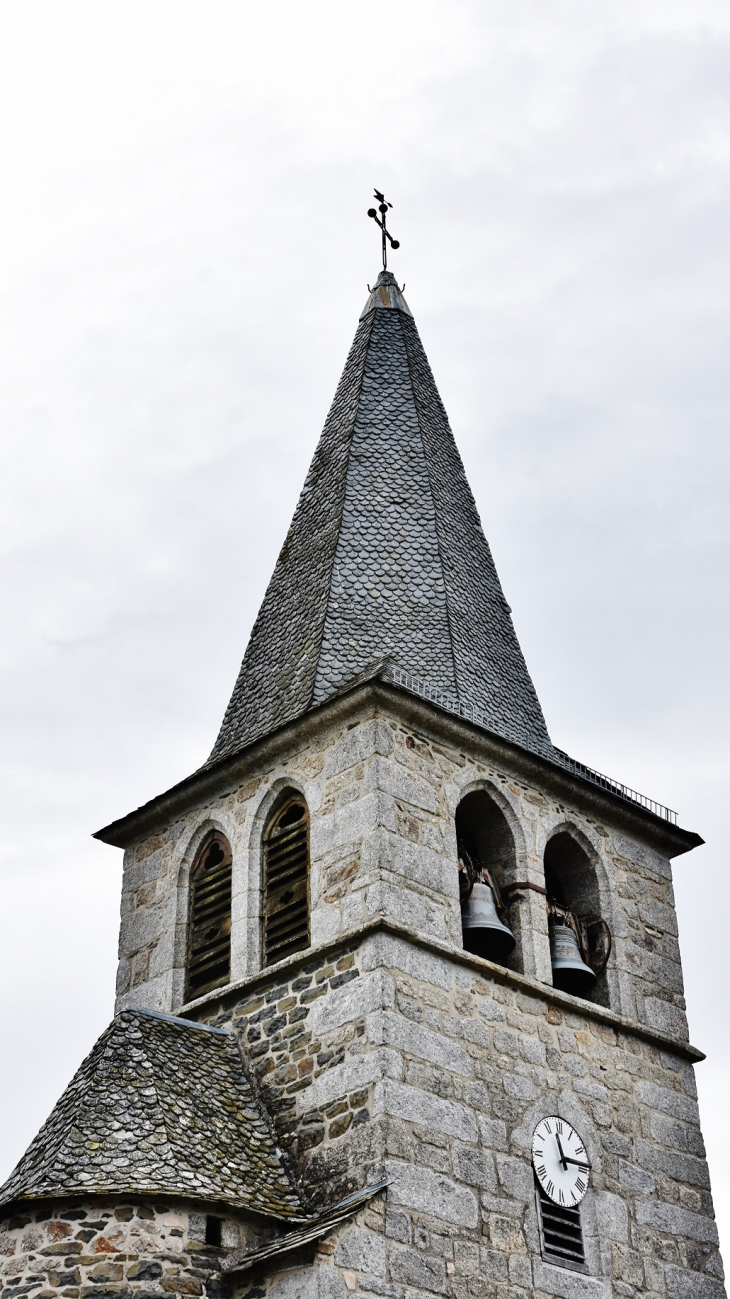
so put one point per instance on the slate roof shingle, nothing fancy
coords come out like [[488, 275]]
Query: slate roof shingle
[[160, 1106], [385, 555]]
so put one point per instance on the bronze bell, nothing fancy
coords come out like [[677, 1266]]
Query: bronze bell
[[570, 972], [483, 931]]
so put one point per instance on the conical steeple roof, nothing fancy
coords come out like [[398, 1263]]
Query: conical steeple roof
[[385, 556]]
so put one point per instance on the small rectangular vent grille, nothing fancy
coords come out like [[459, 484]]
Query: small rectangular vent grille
[[286, 902], [561, 1233]]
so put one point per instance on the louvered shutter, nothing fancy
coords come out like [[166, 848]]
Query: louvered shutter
[[209, 947], [562, 1233], [286, 881]]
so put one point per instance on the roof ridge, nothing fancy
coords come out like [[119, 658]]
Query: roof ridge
[[74, 1096], [174, 1019], [328, 598], [427, 462], [258, 1098], [490, 663], [274, 642], [387, 571]]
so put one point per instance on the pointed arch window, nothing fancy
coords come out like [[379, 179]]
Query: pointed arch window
[[286, 879], [580, 939], [209, 942], [486, 852]]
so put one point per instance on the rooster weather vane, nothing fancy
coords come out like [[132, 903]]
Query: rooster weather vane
[[383, 206]]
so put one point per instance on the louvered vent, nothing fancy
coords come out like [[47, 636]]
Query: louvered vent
[[286, 881], [561, 1233], [209, 950]]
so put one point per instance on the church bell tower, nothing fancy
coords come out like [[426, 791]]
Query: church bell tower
[[399, 1002]]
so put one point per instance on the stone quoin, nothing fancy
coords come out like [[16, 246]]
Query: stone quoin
[[348, 1102]]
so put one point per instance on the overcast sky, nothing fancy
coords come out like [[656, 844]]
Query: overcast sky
[[184, 253]]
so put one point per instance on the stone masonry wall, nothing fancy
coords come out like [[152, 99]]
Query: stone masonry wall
[[397, 1060], [103, 1249], [382, 801]]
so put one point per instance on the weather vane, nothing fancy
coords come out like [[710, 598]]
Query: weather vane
[[383, 206]]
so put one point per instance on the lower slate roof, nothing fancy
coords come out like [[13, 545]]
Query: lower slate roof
[[242, 1260], [160, 1106]]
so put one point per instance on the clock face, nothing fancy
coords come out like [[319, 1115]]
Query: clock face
[[560, 1161]]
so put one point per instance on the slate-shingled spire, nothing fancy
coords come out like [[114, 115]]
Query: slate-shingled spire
[[385, 556]]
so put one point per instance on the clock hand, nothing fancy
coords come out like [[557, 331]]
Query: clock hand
[[563, 1160], [582, 1163]]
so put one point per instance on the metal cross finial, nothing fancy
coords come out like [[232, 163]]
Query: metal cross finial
[[383, 206]]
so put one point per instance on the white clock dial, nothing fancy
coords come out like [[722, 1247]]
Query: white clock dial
[[560, 1161]]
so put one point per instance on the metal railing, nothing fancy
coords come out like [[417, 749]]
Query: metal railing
[[516, 735]]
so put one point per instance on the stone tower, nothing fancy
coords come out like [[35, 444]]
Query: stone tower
[[328, 1064]]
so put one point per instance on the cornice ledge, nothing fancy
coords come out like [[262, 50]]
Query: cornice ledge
[[226, 773], [573, 1005], [360, 699]]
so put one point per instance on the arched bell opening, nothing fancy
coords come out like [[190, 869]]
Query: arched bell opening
[[486, 852], [580, 939], [208, 963], [285, 884]]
